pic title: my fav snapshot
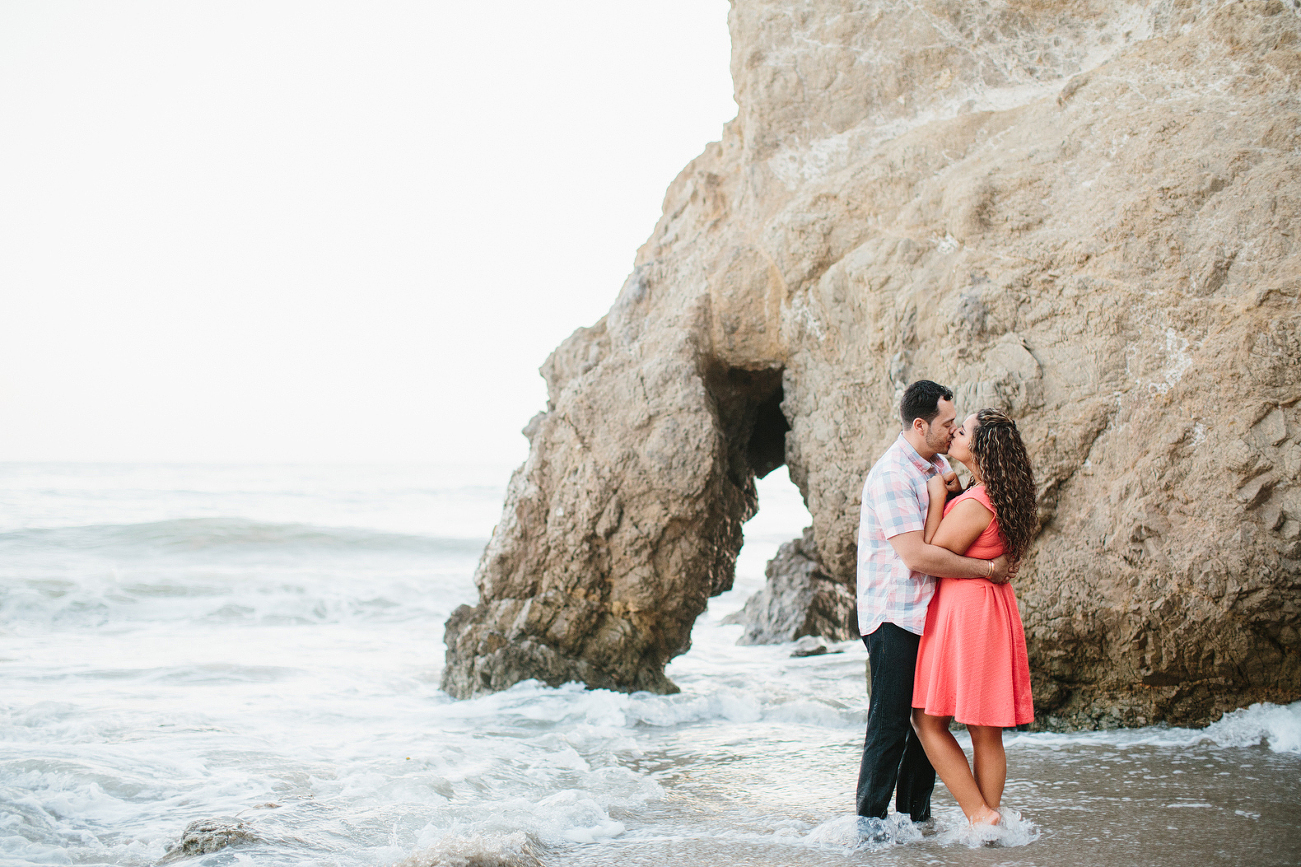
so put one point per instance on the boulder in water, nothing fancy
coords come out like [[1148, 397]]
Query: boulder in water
[[798, 600], [209, 835]]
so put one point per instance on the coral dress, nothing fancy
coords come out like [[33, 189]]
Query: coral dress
[[971, 663]]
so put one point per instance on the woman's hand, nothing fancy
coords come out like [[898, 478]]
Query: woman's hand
[[941, 485]]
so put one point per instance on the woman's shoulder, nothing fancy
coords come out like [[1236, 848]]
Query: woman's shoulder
[[977, 493]]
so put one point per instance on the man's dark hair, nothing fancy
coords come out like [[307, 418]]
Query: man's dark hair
[[922, 400]]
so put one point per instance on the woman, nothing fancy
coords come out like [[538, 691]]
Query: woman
[[971, 663]]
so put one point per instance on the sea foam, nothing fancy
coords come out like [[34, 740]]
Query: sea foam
[[499, 850], [953, 829], [860, 834], [1277, 725]]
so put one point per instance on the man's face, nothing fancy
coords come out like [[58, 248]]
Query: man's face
[[939, 433]]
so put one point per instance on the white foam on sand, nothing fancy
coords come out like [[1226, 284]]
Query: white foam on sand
[[858, 834], [851, 834], [952, 829]]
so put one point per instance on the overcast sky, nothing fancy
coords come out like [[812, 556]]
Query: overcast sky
[[323, 231]]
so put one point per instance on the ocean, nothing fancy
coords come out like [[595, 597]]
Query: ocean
[[254, 652]]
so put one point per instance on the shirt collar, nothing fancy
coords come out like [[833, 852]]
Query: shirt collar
[[923, 466]]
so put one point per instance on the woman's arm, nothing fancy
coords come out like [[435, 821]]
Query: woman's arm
[[961, 526], [939, 494], [933, 560]]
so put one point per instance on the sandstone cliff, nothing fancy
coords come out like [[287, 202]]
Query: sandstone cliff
[[1084, 212]]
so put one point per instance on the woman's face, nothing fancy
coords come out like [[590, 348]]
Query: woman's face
[[960, 448]]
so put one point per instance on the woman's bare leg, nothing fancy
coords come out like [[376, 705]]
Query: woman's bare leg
[[990, 762], [951, 764]]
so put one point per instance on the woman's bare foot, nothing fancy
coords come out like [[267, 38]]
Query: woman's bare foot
[[986, 816]]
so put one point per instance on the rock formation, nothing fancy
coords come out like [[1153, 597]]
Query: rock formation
[[1084, 212], [798, 600]]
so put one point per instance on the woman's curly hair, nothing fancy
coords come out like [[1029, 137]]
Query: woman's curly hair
[[1008, 477]]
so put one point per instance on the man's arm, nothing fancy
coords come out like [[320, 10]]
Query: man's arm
[[934, 560]]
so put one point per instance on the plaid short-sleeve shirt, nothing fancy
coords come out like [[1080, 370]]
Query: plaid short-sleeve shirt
[[894, 501]]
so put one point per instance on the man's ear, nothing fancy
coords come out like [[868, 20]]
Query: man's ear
[[919, 426]]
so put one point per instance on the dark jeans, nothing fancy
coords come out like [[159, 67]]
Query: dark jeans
[[891, 751]]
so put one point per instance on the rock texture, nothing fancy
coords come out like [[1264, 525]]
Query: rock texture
[[798, 600], [1083, 212], [209, 835]]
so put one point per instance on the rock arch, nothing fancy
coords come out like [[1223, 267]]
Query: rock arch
[[626, 517]]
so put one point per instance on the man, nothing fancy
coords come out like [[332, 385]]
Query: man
[[895, 584]]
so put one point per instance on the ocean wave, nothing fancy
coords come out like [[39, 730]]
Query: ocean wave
[[267, 596], [1278, 726], [615, 712], [187, 536]]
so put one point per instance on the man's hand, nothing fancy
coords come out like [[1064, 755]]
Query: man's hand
[[1002, 573]]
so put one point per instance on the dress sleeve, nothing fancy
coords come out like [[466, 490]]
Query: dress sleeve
[[981, 495]]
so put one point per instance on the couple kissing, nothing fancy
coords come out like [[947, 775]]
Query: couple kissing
[[935, 609]]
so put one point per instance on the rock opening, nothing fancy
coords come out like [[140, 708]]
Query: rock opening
[[751, 419]]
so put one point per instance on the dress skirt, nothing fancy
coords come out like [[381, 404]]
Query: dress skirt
[[971, 662]]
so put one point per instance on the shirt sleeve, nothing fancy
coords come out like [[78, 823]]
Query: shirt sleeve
[[896, 503]]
